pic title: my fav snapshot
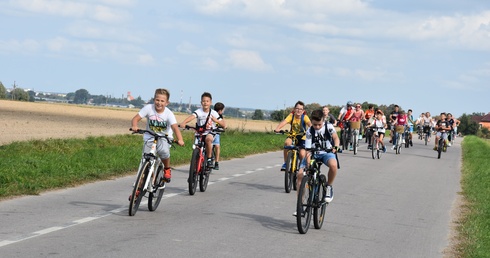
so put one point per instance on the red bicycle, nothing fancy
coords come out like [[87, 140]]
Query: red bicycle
[[199, 170]]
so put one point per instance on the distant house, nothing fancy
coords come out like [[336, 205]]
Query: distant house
[[485, 121]]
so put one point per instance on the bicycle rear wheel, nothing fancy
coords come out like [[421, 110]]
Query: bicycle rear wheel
[[320, 204], [303, 205], [155, 197], [374, 148], [288, 174], [138, 189], [439, 147], [355, 139], [193, 171]]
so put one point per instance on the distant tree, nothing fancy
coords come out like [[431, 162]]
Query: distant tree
[[484, 133], [313, 106], [467, 126], [278, 115], [81, 96], [3, 91], [70, 96], [32, 95], [137, 102], [19, 94], [258, 115]]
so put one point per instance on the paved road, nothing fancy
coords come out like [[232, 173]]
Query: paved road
[[398, 206]]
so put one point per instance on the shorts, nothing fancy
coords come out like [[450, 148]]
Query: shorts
[[216, 140], [324, 157], [163, 148], [410, 128], [444, 135]]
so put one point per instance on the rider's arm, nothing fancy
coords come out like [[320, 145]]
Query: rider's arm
[[336, 141], [134, 122], [175, 128], [187, 120]]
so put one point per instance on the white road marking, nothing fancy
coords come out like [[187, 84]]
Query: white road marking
[[118, 210]]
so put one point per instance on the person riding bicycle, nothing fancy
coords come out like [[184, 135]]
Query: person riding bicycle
[[358, 116], [442, 127], [220, 108], [369, 114], [323, 134], [393, 116], [160, 120], [206, 120], [453, 123], [411, 124], [344, 118], [401, 120], [378, 125], [299, 121], [328, 116]]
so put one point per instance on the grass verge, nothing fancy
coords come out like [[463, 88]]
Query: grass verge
[[28, 168], [474, 227]]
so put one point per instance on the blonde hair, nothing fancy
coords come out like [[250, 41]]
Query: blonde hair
[[162, 91]]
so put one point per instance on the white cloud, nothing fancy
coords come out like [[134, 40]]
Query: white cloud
[[20, 46], [248, 60]]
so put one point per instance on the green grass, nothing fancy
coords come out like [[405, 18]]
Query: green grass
[[28, 168], [474, 228]]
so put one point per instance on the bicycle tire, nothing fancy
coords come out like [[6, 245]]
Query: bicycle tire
[[155, 197], [345, 140], [193, 170], [138, 189], [426, 138], [288, 174], [378, 153], [374, 147], [303, 205], [320, 204], [407, 140], [439, 147], [355, 141]]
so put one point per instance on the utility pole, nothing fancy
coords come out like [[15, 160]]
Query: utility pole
[[13, 92]]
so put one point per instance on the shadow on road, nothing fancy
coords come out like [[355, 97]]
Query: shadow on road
[[270, 223]]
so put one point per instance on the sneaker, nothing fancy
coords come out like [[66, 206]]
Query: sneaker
[[295, 214], [411, 143], [216, 166], [210, 164], [283, 168], [384, 149], [435, 148], [394, 147], [329, 195], [350, 148], [167, 174], [370, 147], [449, 145], [444, 149]]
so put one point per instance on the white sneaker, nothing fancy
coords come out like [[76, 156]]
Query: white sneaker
[[403, 141], [393, 148], [295, 213], [329, 196], [449, 144]]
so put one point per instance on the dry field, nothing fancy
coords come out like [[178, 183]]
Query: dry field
[[23, 121]]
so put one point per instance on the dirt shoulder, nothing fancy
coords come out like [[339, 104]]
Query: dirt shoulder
[[37, 120]]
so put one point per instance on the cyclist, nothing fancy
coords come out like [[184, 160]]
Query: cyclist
[[160, 120], [344, 117], [206, 120], [393, 116], [420, 124], [453, 123], [299, 121], [379, 124], [322, 133], [357, 116], [401, 120], [442, 127], [328, 117], [411, 124], [220, 108], [427, 123]]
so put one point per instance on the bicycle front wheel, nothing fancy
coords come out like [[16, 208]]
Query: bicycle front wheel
[[155, 197], [374, 148], [193, 171], [303, 206], [139, 189], [320, 204], [288, 174], [439, 147], [355, 141], [204, 177]]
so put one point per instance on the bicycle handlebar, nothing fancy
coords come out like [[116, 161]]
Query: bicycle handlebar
[[157, 136], [201, 130]]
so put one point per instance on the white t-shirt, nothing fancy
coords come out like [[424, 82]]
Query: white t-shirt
[[325, 144], [202, 116], [158, 122]]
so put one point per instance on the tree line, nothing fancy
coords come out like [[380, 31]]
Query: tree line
[[467, 126]]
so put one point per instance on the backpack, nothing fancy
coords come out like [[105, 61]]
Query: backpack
[[327, 136], [303, 124]]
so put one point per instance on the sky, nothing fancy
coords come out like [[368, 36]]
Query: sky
[[425, 55]]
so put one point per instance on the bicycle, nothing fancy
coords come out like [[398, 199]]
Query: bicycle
[[199, 170], [345, 134], [292, 161], [355, 128], [442, 144], [406, 133], [150, 176], [311, 195], [399, 132], [427, 132], [376, 149]]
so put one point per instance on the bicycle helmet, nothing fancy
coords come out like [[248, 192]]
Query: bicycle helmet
[[349, 103]]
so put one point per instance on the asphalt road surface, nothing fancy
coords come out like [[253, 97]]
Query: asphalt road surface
[[398, 206]]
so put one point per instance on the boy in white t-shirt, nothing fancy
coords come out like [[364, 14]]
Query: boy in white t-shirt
[[207, 119], [160, 120]]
